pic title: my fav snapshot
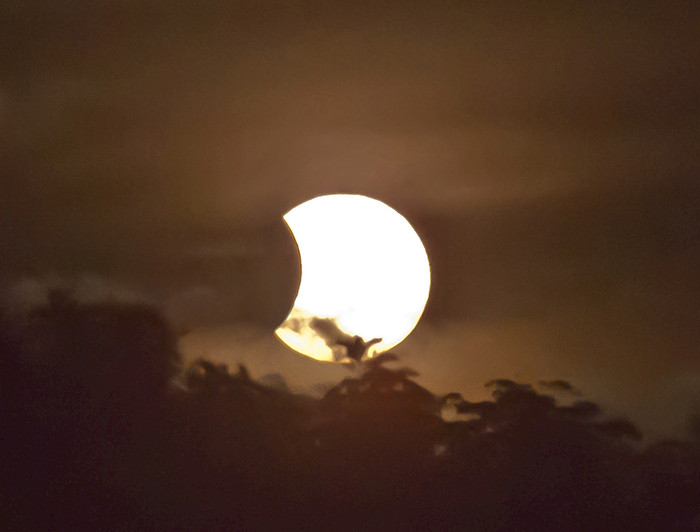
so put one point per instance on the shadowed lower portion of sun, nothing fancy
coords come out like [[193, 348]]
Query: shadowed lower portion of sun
[[364, 272]]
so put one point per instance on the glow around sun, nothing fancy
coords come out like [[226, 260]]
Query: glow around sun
[[363, 268]]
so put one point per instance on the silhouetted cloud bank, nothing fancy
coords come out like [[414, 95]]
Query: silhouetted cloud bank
[[104, 430]]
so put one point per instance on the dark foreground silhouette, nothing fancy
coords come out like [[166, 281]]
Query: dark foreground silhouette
[[99, 433]]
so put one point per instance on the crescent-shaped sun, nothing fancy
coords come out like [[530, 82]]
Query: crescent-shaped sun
[[365, 272]]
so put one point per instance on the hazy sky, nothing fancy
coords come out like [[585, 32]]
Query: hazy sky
[[548, 158]]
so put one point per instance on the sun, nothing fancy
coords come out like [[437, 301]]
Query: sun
[[364, 271]]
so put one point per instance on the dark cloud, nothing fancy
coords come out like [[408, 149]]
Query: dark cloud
[[329, 330], [355, 348], [128, 440], [27, 293], [344, 346]]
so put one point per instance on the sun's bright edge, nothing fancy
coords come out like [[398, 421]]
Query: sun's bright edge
[[362, 265]]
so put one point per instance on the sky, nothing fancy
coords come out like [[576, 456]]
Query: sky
[[546, 155]]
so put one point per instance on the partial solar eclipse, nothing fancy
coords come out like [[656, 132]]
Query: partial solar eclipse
[[364, 272]]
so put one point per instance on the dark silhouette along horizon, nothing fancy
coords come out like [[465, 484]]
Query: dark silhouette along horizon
[[105, 429]]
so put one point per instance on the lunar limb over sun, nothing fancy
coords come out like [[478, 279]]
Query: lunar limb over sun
[[364, 272]]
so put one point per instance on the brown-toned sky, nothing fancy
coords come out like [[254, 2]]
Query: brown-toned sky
[[547, 155]]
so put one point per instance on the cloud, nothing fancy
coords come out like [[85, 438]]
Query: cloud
[[261, 351], [601, 352], [329, 330], [559, 385], [321, 332], [26, 292], [226, 450]]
